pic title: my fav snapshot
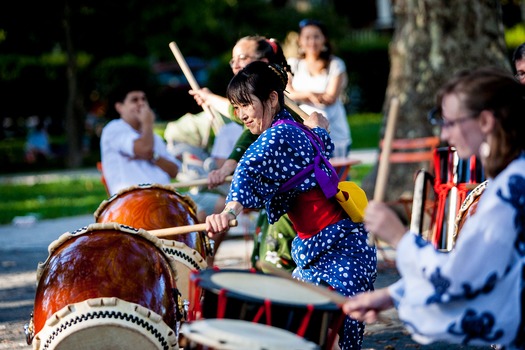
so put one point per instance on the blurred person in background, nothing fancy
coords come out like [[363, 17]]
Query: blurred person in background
[[319, 80]]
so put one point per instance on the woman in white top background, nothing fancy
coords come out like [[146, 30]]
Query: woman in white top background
[[319, 79]]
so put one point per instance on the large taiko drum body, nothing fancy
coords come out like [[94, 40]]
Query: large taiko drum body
[[153, 206], [268, 299], [106, 286]]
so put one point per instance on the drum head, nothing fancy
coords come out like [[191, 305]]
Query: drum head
[[226, 334], [257, 286], [105, 324]]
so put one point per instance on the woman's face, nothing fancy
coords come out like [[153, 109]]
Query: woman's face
[[520, 70], [256, 118], [243, 53], [311, 40], [461, 129]]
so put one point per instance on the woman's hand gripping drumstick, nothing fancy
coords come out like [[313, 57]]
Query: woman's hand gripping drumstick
[[312, 120], [216, 120], [167, 233]]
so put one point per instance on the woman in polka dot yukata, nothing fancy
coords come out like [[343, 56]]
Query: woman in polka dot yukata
[[284, 172]]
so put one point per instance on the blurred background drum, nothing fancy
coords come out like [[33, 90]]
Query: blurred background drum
[[106, 286], [454, 179], [468, 207], [226, 334], [268, 299]]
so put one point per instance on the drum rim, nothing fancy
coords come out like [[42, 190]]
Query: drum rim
[[147, 322], [208, 284], [63, 238], [102, 206], [187, 330]]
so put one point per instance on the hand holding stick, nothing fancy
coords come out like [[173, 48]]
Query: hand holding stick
[[288, 102], [167, 233], [216, 119]]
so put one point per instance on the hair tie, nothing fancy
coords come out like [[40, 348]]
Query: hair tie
[[280, 73], [273, 45]]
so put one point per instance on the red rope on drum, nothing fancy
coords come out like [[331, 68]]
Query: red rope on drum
[[221, 303], [258, 314], [194, 296], [473, 176], [306, 320], [336, 325], [268, 308], [442, 191]]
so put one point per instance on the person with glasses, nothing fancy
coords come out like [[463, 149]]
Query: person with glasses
[[518, 60], [474, 294], [319, 80], [272, 242]]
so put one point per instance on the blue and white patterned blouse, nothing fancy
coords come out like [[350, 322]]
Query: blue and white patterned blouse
[[474, 294], [277, 155]]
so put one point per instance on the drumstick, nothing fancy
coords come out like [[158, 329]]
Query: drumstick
[[384, 163], [178, 230], [288, 102], [198, 182], [193, 82]]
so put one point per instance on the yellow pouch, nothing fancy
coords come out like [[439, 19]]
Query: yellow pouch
[[353, 200]]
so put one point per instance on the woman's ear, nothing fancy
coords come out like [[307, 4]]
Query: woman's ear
[[274, 99], [486, 121]]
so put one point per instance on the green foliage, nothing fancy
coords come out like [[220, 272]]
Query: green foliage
[[515, 36], [51, 200], [365, 130], [358, 172], [69, 197]]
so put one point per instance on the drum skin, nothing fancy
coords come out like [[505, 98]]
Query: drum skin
[[106, 263], [242, 295], [152, 207]]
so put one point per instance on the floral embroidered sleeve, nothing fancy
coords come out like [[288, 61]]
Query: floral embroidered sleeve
[[453, 294]]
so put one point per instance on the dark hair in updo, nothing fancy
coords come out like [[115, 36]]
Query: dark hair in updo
[[258, 79], [270, 49]]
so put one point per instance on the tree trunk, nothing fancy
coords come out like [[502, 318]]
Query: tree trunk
[[433, 39], [74, 112]]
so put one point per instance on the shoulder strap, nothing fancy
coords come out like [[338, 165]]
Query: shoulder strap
[[327, 183]]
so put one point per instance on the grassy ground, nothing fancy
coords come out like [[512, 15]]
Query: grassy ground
[[51, 200], [47, 200]]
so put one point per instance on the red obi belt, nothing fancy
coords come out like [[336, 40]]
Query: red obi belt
[[312, 211]]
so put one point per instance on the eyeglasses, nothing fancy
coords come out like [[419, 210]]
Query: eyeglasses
[[520, 76], [435, 118], [242, 58], [310, 22]]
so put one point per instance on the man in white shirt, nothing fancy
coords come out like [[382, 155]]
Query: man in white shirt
[[133, 154]]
